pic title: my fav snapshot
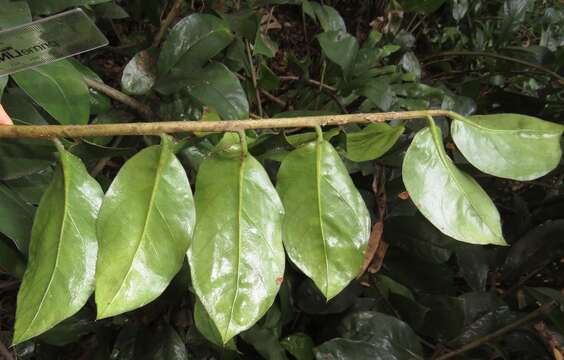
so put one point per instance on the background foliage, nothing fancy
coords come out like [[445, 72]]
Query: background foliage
[[424, 294]]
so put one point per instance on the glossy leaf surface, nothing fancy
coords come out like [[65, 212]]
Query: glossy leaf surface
[[144, 228], [327, 225], [511, 146], [193, 41], [372, 335], [237, 258], [58, 88], [372, 142], [59, 277], [449, 198]]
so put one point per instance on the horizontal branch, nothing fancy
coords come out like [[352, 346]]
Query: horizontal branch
[[498, 57], [155, 128]]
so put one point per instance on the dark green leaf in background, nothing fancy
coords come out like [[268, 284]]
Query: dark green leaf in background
[[219, 88], [299, 345], [59, 89], [237, 258], [59, 277], [372, 142], [11, 260], [511, 146], [16, 218], [164, 343], [144, 228], [192, 42], [450, 199], [372, 335], [327, 225], [340, 47]]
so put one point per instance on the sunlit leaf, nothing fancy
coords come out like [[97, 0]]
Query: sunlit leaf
[[59, 277], [511, 146], [236, 259], [144, 228], [372, 142], [449, 198], [327, 225]]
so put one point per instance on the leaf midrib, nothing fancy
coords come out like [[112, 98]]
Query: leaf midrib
[[318, 144], [145, 225], [59, 245], [443, 158], [69, 106], [237, 272]]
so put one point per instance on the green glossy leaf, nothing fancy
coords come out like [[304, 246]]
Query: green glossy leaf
[[59, 277], [144, 228], [16, 218], [139, 75], [207, 328], [21, 109], [192, 42], [237, 258], [21, 157], [216, 87], [372, 142], [264, 45], [299, 345], [327, 225], [372, 335], [264, 336], [219, 88], [99, 103], [329, 18], [449, 198], [511, 146], [59, 89], [340, 47]]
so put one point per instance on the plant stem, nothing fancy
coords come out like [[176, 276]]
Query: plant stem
[[499, 57], [117, 95], [504, 330], [156, 128], [172, 14], [254, 77]]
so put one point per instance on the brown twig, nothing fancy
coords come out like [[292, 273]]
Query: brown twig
[[254, 77], [544, 309], [172, 14], [155, 128], [499, 57], [117, 95], [310, 81]]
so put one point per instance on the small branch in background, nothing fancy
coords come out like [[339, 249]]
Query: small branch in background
[[267, 94], [542, 310], [254, 77], [165, 24], [495, 56], [117, 95], [309, 81]]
